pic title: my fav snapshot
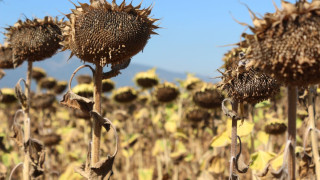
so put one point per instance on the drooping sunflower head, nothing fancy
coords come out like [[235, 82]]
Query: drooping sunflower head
[[166, 92], [107, 85], [7, 95], [85, 90], [38, 73], [196, 115], [47, 83], [34, 40], [245, 84], [286, 44], [147, 79], [42, 101], [124, 95], [107, 33], [208, 96], [60, 87], [84, 79], [275, 127]]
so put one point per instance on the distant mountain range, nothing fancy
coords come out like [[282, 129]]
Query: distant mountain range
[[61, 69]]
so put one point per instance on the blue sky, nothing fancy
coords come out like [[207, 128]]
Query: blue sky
[[191, 32]]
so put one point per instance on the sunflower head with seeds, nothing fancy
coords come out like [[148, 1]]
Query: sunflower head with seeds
[[34, 40], [242, 83], [106, 33], [286, 44]]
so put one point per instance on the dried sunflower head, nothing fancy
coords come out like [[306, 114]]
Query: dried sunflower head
[[208, 96], [286, 44], [192, 82], [60, 87], [197, 114], [147, 79], [38, 73], [166, 92], [85, 90], [245, 84], [107, 85], [34, 40], [7, 96], [275, 127], [107, 33], [84, 79], [42, 101], [6, 60], [51, 139], [124, 95], [47, 83]]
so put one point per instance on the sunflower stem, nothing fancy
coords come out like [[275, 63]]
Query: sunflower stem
[[234, 136], [26, 122], [96, 129], [292, 109], [314, 142]]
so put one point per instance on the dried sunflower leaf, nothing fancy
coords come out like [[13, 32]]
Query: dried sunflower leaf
[[242, 167], [20, 95], [98, 171], [37, 156], [75, 101], [227, 112], [102, 168], [103, 122], [18, 134]]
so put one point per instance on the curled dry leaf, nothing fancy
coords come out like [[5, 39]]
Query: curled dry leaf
[[75, 101], [37, 156], [269, 173], [99, 171], [104, 167], [240, 165], [20, 95], [227, 112], [306, 166], [98, 118], [17, 134]]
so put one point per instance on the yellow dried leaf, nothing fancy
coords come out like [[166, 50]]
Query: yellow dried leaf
[[221, 140], [263, 137], [277, 162], [243, 129], [260, 159]]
